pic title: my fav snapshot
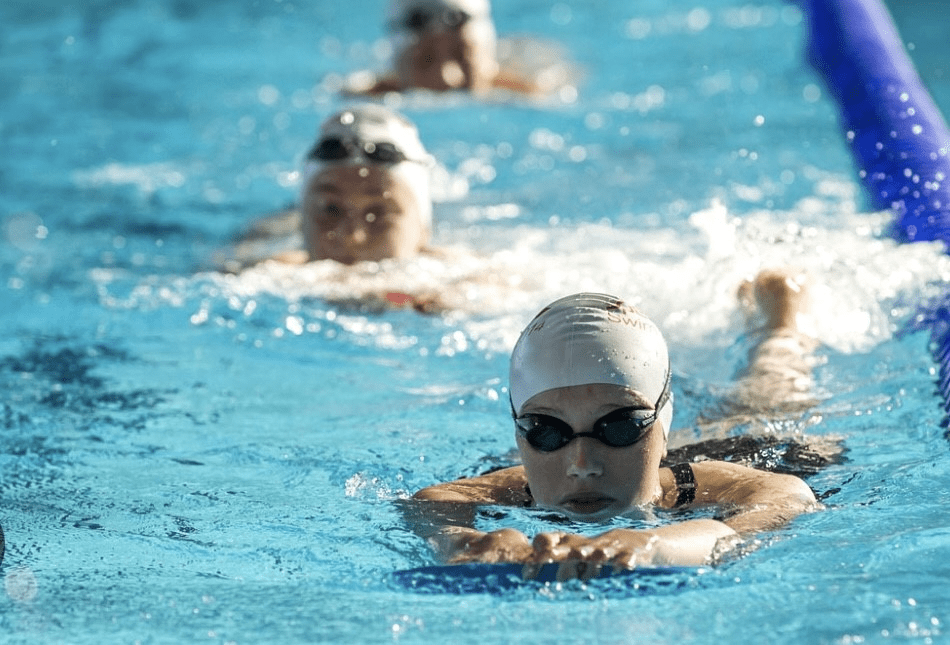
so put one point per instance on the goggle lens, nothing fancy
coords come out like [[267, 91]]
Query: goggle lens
[[618, 429], [336, 149], [420, 19]]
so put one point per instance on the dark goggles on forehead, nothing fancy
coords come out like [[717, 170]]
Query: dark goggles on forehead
[[337, 149], [617, 429], [420, 19]]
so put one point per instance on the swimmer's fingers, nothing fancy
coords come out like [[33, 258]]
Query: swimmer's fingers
[[624, 548], [557, 547], [566, 570], [578, 570], [550, 547], [531, 570], [505, 545], [578, 558]]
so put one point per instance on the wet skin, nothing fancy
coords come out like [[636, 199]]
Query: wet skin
[[360, 213], [587, 479], [448, 59]]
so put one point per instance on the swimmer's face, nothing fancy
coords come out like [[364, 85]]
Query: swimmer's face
[[448, 58], [586, 479], [360, 213]]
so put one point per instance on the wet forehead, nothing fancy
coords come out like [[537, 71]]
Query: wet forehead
[[595, 399]]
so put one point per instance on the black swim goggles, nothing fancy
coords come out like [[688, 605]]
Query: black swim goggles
[[337, 149], [618, 429], [421, 19]]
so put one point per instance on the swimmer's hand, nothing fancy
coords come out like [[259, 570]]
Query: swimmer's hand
[[691, 543], [583, 557], [460, 545], [366, 83]]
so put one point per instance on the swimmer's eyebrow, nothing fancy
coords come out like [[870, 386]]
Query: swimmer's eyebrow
[[635, 400]]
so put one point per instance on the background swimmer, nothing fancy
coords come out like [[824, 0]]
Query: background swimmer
[[444, 45], [365, 198], [590, 394], [366, 189]]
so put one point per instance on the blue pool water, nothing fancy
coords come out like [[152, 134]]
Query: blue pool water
[[189, 456]]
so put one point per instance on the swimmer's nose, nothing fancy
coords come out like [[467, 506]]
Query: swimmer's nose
[[358, 235], [584, 458], [354, 231]]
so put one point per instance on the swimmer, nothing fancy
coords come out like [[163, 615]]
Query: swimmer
[[592, 406], [366, 189], [365, 198], [445, 45], [365, 194]]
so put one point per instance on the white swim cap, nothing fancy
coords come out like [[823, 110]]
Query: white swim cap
[[586, 339], [361, 129], [399, 10]]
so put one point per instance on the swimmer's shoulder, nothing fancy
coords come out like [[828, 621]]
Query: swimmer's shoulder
[[279, 224], [733, 486], [275, 236], [370, 84], [759, 463], [504, 487]]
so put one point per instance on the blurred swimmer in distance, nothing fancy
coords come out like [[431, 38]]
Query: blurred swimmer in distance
[[445, 45], [365, 196]]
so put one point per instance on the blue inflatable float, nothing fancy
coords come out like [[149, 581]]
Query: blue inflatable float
[[898, 137], [504, 578]]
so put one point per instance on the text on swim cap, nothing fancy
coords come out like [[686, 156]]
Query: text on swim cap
[[624, 314]]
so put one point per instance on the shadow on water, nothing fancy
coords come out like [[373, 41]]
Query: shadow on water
[[59, 375]]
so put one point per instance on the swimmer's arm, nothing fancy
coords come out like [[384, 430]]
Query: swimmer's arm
[[505, 487], [444, 515], [276, 225], [257, 244], [690, 543], [508, 80], [292, 256], [369, 84], [762, 500]]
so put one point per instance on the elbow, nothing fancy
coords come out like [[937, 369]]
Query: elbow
[[428, 494], [439, 493], [802, 493]]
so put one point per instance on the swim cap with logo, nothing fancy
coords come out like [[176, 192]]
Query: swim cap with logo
[[359, 125], [586, 339]]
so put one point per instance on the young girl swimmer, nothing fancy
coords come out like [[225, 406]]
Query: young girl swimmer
[[366, 188], [451, 45], [590, 396], [365, 196]]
